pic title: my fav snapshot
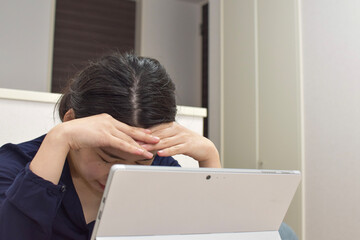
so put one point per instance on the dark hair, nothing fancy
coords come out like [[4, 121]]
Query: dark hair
[[134, 90]]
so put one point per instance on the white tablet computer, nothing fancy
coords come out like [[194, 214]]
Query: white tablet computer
[[165, 203]]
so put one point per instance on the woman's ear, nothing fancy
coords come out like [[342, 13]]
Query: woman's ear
[[69, 115]]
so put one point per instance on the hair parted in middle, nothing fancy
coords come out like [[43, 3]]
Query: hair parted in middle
[[134, 90]]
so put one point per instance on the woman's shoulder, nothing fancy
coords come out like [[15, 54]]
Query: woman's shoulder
[[23, 152], [31, 147], [165, 161]]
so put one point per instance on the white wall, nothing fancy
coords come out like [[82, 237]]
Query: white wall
[[261, 89], [170, 32], [279, 112], [331, 77], [239, 84], [215, 86], [26, 44]]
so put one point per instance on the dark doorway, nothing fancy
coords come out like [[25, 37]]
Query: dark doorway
[[88, 29], [205, 64]]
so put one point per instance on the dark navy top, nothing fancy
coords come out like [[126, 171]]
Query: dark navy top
[[34, 208]]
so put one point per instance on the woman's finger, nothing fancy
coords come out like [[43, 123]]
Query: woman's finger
[[138, 134], [124, 146], [125, 137], [171, 131], [161, 127], [171, 151], [165, 143]]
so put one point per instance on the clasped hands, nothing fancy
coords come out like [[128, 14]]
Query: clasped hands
[[167, 139]]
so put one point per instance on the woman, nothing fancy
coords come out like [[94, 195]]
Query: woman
[[118, 110]]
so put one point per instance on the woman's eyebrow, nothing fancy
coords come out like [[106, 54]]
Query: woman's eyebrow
[[144, 160], [112, 155]]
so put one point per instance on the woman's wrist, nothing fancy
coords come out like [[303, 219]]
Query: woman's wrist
[[212, 159], [60, 137], [49, 161]]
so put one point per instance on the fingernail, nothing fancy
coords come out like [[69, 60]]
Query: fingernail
[[145, 146], [160, 152], [149, 155], [157, 138]]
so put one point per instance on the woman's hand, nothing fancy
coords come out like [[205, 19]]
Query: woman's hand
[[90, 132], [176, 139], [105, 131]]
